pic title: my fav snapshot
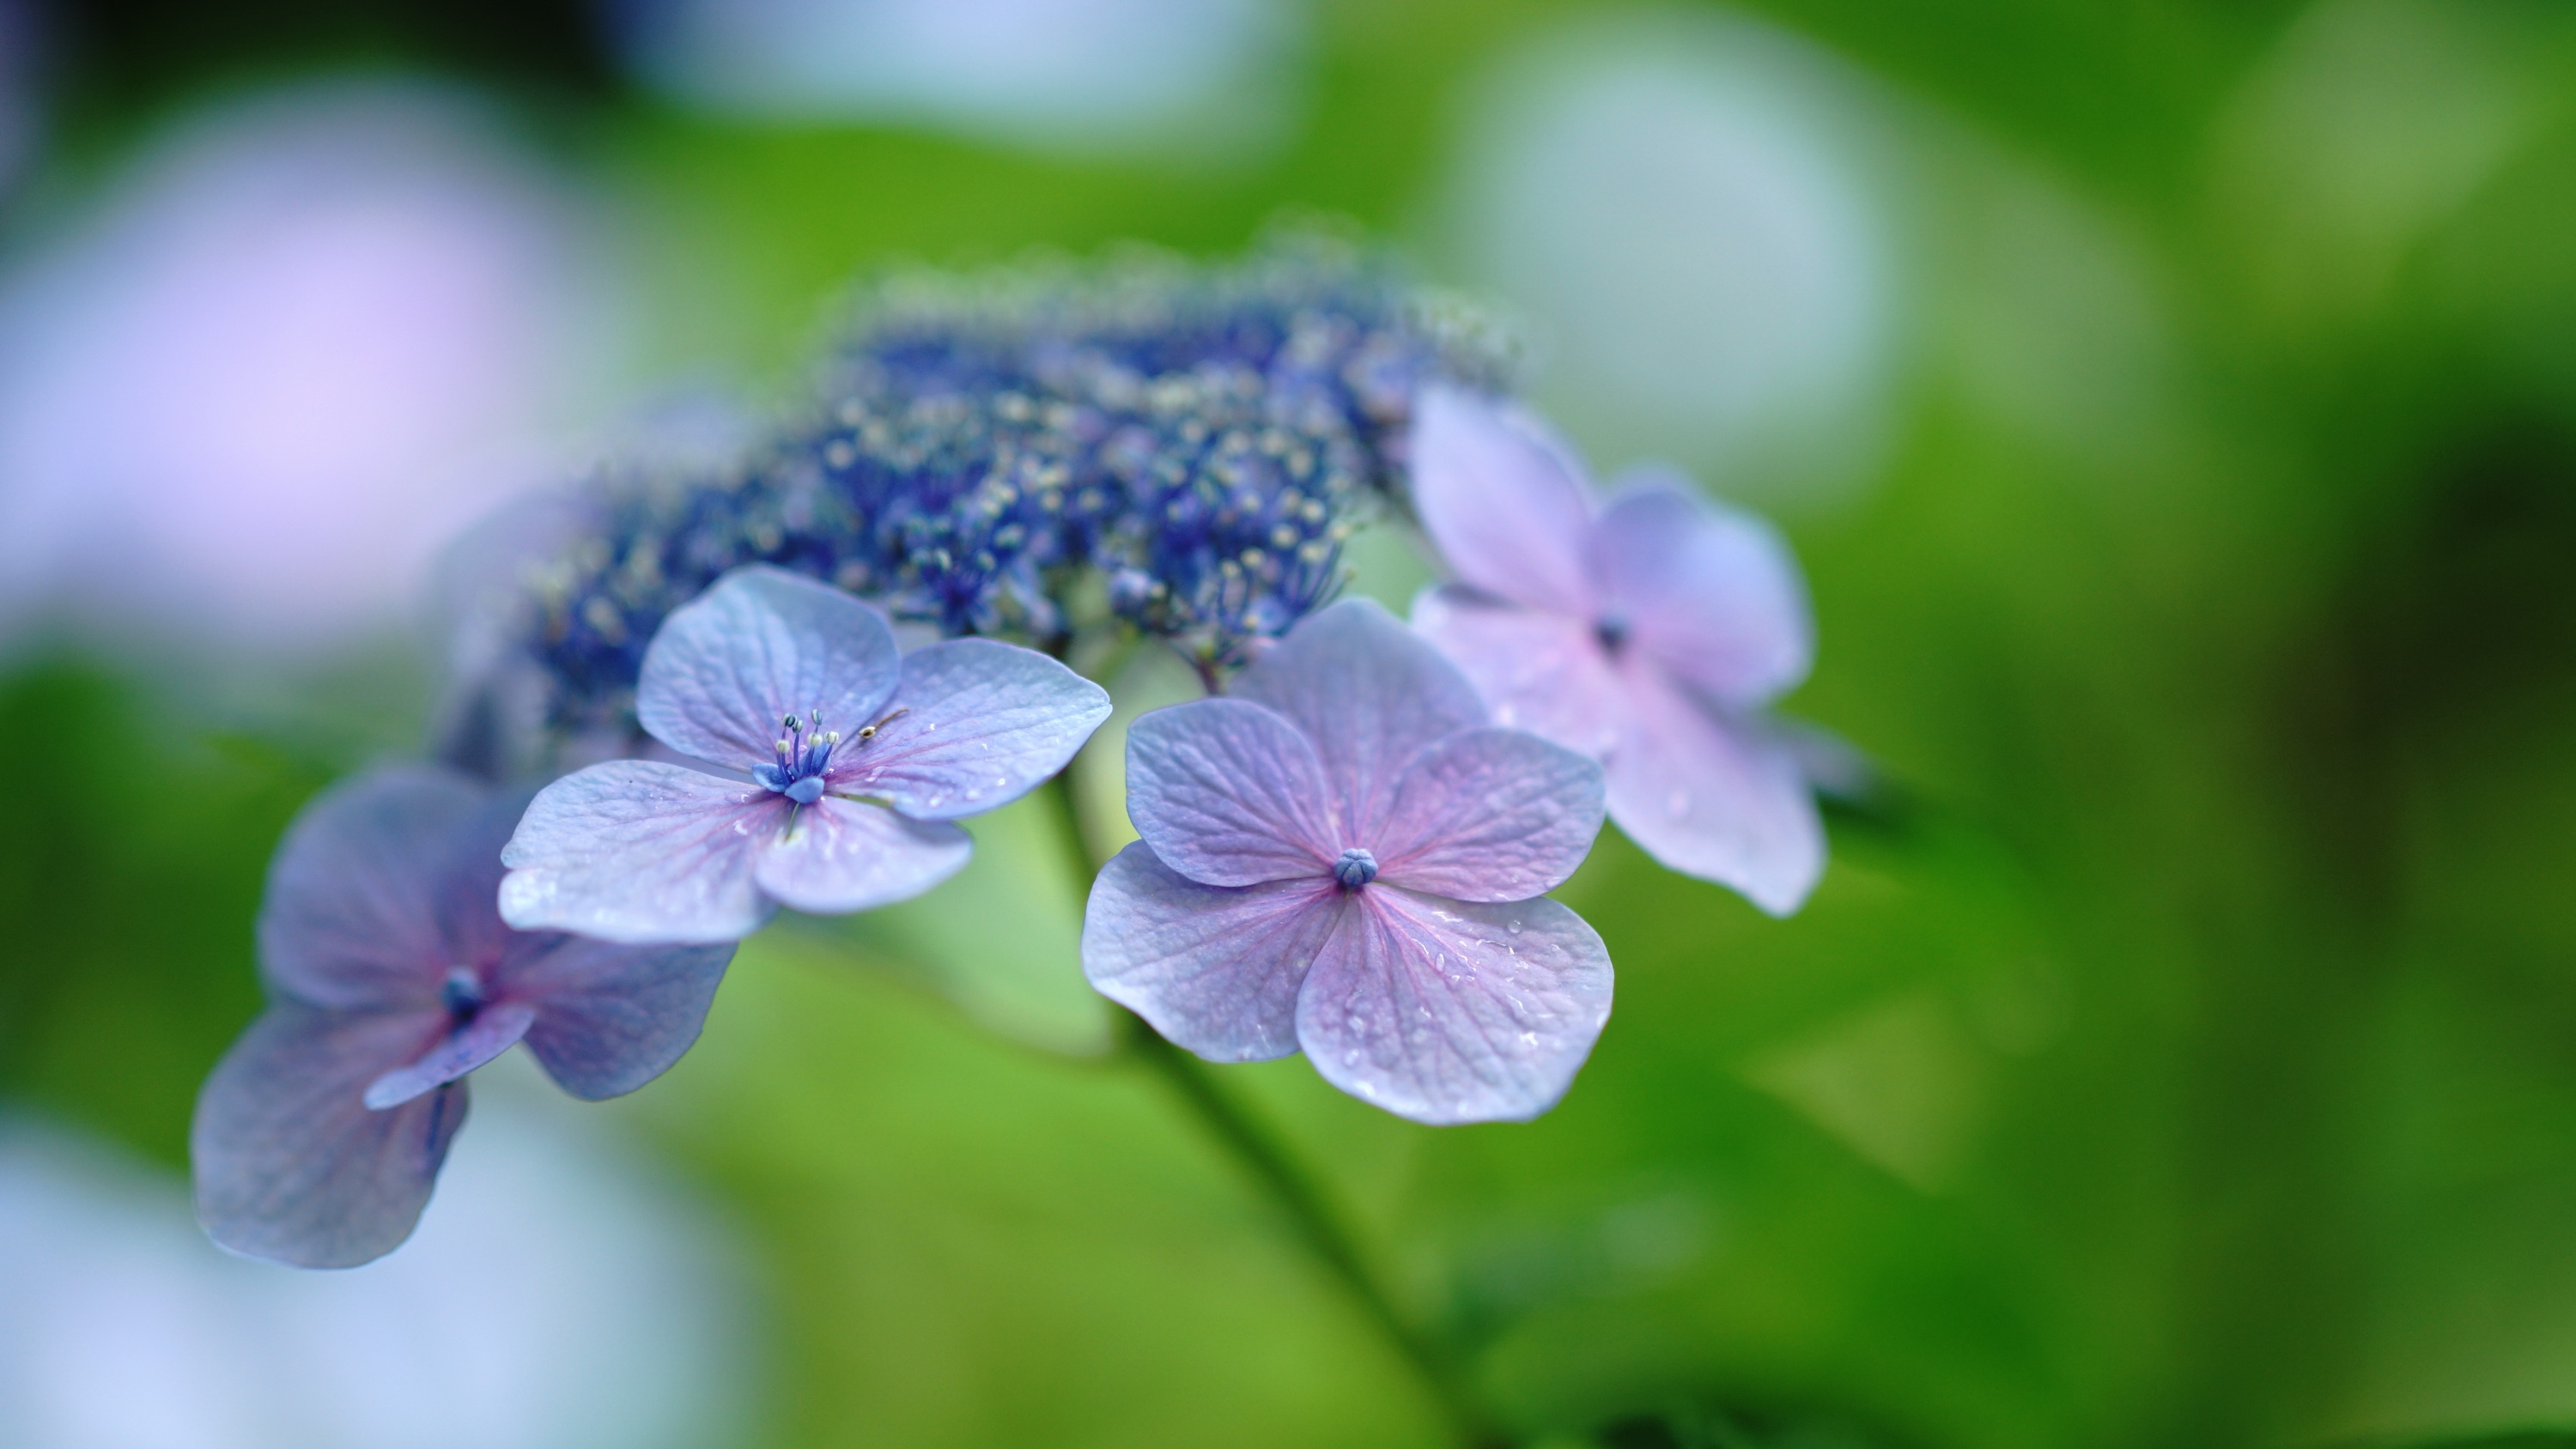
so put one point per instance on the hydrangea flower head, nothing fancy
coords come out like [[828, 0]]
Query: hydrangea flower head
[[1343, 856], [1017, 453], [857, 760], [390, 977], [1648, 633]]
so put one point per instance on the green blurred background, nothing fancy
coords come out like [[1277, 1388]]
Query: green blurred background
[[2174, 404]]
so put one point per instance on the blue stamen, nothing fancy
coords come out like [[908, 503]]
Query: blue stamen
[[1356, 868], [805, 791]]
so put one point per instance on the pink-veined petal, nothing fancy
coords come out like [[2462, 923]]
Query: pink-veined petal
[[1369, 693], [351, 918], [1714, 797], [1502, 499], [1229, 793], [850, 855], [642, 852], [494, 1030], [291, 1165], [1215, 969], [982, 724], [1445, 1011], [1490, 814], [760, 644], [1710, 593], [610, 1018], [1545, 673]]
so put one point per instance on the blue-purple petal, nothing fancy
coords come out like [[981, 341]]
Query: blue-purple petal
[[1710, 593], [1215, 969], [610, 1018], [759, 644], [1502, 499], [644, 853], [1369, 694], [1446, 1012], [1718, 797], [351, 918], [982, 724], [492, 1031], [291, 1165], [1541, 672], [849, 855], [1490, 814], [1229, 793]]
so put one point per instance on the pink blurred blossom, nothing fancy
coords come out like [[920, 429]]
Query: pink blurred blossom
[[300, 342]]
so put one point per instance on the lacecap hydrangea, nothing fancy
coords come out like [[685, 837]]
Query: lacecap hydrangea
[[1021, 454]]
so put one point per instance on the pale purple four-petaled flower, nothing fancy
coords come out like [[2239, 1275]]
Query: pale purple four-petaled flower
[[1343, 856], [1647, 634], [855, 761], [390, 977]]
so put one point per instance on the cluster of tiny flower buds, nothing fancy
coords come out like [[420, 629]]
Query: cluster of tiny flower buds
[[1022, 454]]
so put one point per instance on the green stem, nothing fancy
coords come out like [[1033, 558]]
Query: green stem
[[1276, 1172], [1270, 1165]]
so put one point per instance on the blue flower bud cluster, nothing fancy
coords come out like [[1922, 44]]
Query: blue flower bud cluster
[[1029, 453]]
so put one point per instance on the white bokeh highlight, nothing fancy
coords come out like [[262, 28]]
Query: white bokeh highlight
[[556, 1296], [1057, 75], [1689, 209], [299, 343]]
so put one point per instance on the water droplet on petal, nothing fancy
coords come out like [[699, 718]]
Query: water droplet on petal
[[1516, 928]]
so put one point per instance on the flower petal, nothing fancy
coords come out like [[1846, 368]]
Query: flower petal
[[290, 1163], [983, 723], [610, 1018], [1545, 673], [1502, 499], [849, 855], [1445, 1011], [1215, 969], [1369, 694], [1712, 594], [493, 1031], [1490, 815], [759, 644], [1229, 793], [641, 852], [351, 918], [1718, 798]]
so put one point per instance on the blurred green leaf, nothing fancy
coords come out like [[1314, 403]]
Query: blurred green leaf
[[1001, 941]]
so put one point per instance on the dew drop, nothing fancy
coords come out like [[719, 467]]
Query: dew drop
[[1515, 928]]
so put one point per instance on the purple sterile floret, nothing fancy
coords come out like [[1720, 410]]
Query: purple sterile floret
[[858, 759], [1648, 634], [1344, 857], [390, 977]]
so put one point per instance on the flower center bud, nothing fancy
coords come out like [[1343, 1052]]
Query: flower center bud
[[1612, 630], [1356, 868], [461, 993]]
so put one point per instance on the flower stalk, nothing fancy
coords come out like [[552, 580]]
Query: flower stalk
[[1276, 1173]]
